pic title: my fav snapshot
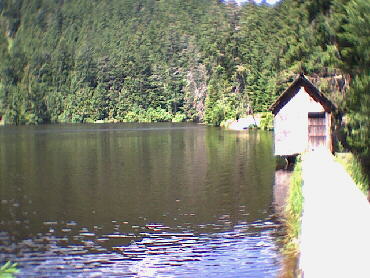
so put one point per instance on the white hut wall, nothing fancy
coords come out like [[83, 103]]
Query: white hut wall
[[291, 124]]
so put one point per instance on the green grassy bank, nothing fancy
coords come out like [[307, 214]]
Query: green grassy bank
[[8, 270], [292, 221], [294, 210], [354, 169]]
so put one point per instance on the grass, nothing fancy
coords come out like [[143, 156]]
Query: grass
[[354, 169], [294, 210], [293, 214], [8, 270]]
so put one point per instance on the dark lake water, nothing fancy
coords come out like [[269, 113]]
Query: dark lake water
[[137, 200]]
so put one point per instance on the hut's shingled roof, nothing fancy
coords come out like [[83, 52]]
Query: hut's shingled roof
[[293, 89]]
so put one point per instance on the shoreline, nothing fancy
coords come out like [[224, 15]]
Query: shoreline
[[250, 121]]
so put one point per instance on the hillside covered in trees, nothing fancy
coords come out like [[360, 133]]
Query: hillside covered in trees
[[175, 60]]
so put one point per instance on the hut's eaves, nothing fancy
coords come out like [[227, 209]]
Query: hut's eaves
[[294, 88]]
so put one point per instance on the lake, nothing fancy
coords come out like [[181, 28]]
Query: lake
[[138, 200]]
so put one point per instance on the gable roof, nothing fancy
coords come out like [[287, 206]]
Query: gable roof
[[293, 89]]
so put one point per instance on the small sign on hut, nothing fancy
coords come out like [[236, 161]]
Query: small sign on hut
[[302, 119]]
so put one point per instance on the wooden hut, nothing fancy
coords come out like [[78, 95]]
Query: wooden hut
[[302, 119]]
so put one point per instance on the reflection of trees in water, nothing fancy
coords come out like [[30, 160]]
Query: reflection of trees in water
[[87, 190], [94, 177], [240, 171]]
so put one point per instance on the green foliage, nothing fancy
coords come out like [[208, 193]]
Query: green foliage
[[353, 34], [179, 117], [354, 168], [267, 121], [354, 46], [218, 112], [215, 115], [294, 209], [149, 115], [8, 270], [56, 66], [357, 129]]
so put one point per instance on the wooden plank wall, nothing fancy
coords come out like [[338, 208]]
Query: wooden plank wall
[[317, 130]]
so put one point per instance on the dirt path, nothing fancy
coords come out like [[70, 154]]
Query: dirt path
[[335, 222]]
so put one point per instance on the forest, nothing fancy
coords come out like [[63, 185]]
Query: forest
[[76, 61]]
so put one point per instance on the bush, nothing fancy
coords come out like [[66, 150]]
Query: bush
[[149, 115], [267, 121], [158, 115], [178, 118], [8, 270], [215, 115]]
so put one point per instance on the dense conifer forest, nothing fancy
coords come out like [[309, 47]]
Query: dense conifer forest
[[176, 60]]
